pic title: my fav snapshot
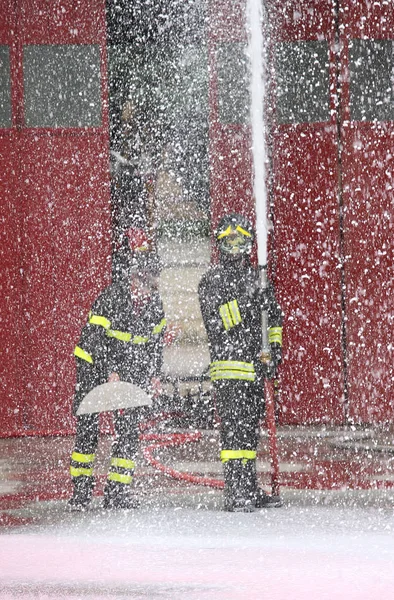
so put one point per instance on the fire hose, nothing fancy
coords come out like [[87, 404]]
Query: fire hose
[[172, 440]]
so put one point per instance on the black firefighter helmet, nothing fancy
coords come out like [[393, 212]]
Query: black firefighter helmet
[[234, 235]]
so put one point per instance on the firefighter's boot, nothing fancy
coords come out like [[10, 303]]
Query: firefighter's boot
[[118, 491], [238, 496], [83, 493], [259, 497], [119, 496]]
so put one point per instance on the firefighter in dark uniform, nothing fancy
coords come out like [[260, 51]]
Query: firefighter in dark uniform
[[122, 340], [231, 301]]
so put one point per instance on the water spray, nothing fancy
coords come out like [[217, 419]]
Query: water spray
[[254, 21]]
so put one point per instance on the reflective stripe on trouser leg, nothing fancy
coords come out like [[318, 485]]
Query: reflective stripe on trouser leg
[[81, 464], [121, 470], [244, 455]]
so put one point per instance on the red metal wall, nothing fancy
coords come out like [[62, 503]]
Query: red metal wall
[[367, 187], [331, 194], [55, 228], [307, 234]]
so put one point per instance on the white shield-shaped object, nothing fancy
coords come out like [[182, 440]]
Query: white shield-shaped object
[[113, 396]]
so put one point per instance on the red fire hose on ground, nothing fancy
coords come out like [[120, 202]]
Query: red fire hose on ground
[[172, 440]]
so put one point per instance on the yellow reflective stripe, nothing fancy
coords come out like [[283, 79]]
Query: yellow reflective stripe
[[220, 375], [77, 472], [99, 320], [250, 454], [123, 336], [226, 316], [275, 335], [226, 455], [158, 328], [139, 339], [243, 231], [234, 310], [230, 230], [83, 355], [230, 369], [127, 479], [124, 463], [82, 458], [232, 364], [233, 375], [245, 455], [225, 233]]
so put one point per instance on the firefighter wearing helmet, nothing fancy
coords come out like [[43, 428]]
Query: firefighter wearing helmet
[[121, 340], [231, 301]]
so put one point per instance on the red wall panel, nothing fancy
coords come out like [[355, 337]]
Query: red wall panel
[[308, 275], [66, 263], [55, 230], [10, 274], [304, 196], [61, 21], [367, 156], [11, 364]]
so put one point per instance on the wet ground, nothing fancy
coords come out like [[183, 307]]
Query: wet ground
[[332, 539]]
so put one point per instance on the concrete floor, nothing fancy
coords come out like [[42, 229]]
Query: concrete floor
[[314, 463]]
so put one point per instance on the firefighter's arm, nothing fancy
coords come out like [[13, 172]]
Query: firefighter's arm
[[218, 315], [92, 341]]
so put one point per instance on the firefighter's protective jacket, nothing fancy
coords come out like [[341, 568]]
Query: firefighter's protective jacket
[[231, 302], [120, 336]]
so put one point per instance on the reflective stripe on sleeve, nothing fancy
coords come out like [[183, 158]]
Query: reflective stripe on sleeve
[[139, 339], [123, 336], [234, 310], [159, 328], [230, 314], [82, 354], [275, 335], [99, 320], [226, 316]]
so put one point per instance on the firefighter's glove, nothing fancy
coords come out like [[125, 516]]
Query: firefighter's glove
[[270, 360], [267, 366]]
